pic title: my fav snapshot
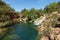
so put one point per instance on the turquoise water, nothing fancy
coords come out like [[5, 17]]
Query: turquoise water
[[21, 31]]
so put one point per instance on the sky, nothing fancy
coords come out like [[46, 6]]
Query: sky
[[18, 5]]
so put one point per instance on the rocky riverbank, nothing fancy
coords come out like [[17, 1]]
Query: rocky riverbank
[[53, 35], [4, 25], [50, 28]]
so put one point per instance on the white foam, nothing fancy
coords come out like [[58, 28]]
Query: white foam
[[39, 21]]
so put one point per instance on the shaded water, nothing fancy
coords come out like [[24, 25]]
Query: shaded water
[[21, 31]]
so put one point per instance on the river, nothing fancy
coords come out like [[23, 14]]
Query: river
[[21, 31]]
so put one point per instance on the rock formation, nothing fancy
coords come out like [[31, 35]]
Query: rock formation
[[48, 30]]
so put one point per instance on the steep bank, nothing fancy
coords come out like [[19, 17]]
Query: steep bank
[[50, 28]]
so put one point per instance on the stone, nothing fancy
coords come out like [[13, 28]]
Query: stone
[[58, 37], [44, 38], [52, 36]]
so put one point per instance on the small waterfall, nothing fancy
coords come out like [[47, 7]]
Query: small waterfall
[[39, 20]]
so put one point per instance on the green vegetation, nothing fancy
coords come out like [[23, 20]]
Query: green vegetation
[[6, 14], [32, 14]]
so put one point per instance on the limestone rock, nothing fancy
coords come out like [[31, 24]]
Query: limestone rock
[[44, 38]]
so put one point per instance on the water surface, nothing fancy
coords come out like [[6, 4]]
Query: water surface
[[21, 31]]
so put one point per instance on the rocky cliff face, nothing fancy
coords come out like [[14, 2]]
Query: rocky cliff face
[[50, 28]]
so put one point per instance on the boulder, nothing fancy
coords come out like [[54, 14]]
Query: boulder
[[44, 38]]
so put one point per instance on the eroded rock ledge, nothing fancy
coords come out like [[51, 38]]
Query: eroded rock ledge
[[50, 28]]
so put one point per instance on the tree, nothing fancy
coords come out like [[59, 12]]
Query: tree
[[5, 7], [58, 6], [24, 13], [6, 12], [51, 7]]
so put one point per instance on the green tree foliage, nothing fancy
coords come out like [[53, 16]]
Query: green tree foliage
[[58, 6], [24, 13], [55, 6], [51, 7], [6, 12], [5, 7], [33, 13]]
